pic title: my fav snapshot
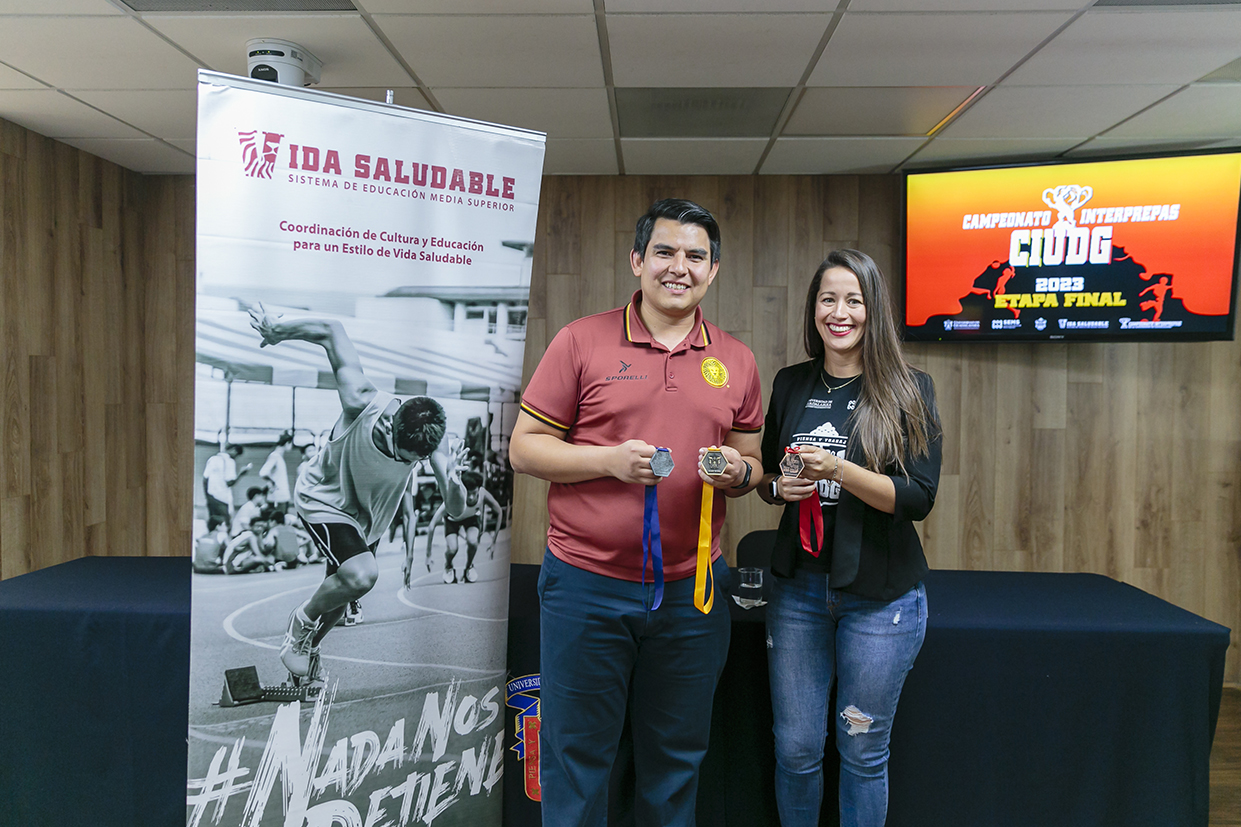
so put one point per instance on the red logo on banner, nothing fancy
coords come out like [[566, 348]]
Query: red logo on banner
[[522, 695], [259, 163], [531, 736]]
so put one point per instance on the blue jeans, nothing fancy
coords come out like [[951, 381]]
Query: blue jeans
[[816, 635], [601, 649]]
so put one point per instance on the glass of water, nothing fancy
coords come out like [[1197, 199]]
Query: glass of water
[[750, 588]]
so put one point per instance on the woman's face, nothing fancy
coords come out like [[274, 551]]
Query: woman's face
[[839, 313]]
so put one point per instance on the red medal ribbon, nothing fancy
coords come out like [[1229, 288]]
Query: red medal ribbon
[[809, 518]]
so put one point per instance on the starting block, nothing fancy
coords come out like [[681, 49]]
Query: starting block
[[241, 686]]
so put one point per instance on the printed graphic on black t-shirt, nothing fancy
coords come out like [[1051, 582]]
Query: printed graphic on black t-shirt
[[824, 424]]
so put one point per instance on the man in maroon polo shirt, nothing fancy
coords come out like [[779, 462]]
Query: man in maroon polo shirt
[[610, 390]]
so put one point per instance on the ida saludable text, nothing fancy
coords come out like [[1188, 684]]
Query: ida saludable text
[[402, 178]]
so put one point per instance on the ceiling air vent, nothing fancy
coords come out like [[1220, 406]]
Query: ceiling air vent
[[698, 113]]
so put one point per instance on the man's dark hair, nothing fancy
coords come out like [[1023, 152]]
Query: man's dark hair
[[682, 212], [253, 491], [285, 438], [471, 479], [234, 450], [418, 426]]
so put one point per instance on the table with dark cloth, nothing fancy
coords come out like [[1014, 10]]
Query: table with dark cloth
[[95, 656], [1037, 700]]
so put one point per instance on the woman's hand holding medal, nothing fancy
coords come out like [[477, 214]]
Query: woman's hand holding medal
[[817, 463]]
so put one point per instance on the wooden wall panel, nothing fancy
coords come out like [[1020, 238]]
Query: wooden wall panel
[[1112, 458], [96, 326]]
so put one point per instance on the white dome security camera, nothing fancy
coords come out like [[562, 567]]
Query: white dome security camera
[[280, 61]]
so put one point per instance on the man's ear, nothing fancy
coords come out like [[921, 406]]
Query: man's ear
[[635, 262]]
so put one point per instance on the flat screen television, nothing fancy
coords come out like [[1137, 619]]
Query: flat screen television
[[1142, 249]]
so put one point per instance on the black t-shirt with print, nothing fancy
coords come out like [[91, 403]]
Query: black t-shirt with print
[[824, 423]]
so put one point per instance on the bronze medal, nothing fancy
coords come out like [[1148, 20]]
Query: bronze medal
[[792, 464]]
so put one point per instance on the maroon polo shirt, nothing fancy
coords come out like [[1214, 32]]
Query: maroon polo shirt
[[605, 380]]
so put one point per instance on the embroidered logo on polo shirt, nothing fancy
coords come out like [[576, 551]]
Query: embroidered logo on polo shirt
[[623, 374], [714, 372]]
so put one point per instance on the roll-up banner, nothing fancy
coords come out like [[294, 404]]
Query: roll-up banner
[[363, 273]]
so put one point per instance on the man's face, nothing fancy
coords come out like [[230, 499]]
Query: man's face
[[676, 269]]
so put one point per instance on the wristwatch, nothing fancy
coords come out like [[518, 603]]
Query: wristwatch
[[775, 495], [749, 469]]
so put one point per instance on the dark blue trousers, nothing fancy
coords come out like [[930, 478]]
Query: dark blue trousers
[[602, 649]]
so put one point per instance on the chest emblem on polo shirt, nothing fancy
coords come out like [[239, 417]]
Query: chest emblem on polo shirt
[[714, 372]]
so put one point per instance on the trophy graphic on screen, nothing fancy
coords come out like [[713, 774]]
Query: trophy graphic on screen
[[1065, 199]]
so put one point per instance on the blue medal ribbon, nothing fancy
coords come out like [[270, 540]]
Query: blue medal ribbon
[[652, 546]]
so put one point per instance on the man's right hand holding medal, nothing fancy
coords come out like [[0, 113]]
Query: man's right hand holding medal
[[631, 462]]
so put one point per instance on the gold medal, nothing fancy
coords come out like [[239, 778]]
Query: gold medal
[[714, 462]]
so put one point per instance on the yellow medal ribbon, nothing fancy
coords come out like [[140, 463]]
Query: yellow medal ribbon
[[713, 464], [704, 577]]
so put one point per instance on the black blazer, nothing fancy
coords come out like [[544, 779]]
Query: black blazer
[[874, 555]]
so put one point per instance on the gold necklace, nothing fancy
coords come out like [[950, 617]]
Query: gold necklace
[[823, 379]]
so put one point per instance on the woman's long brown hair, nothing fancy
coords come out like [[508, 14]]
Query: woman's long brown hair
[[891, 418]]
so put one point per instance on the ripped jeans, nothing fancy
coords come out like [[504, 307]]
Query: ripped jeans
[[816, 635]]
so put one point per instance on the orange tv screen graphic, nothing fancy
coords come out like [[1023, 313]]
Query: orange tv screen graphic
[[1141, 249]]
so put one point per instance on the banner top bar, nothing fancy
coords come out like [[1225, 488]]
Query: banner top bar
[[209, 78]]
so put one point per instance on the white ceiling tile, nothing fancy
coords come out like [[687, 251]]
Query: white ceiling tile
[[13, 79], [351, 54], [561, 113], [947, 151], [1106, 147], [874, 110], [164, 114], [55, 115], [963, 5], [478, 6], [1051, 111], [407, 96], [695, 50], [541, 51], [1150, 46], [145, 155], [717, 6], [822, 156], [691, 156], [929, 49], [1207, 110], [94, 53], [59, 8], [580, 156]]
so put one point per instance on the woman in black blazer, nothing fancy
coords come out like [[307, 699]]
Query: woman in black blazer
[[851, 449]]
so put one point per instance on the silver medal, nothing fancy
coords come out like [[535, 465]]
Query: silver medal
[[661, 463]]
